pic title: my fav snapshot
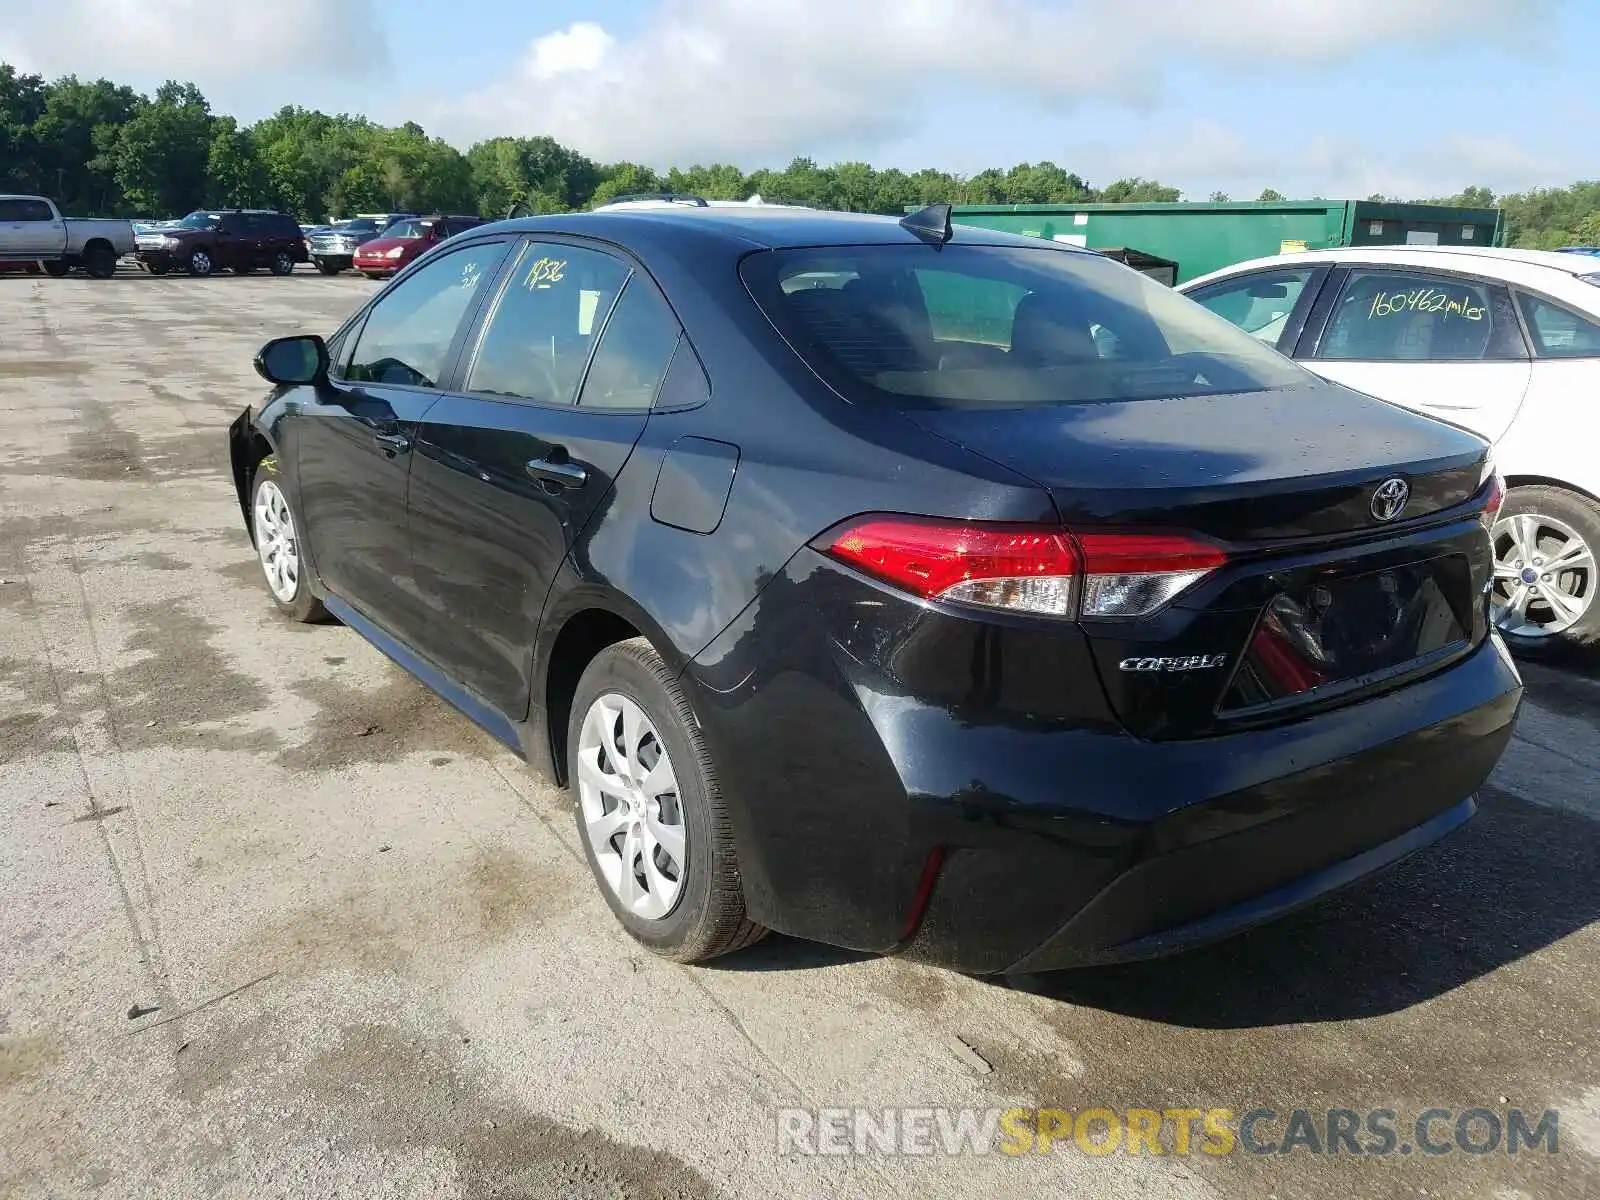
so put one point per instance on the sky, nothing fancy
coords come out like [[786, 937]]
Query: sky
[[1312, 97]]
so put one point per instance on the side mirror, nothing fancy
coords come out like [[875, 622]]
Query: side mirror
[[291, 360]]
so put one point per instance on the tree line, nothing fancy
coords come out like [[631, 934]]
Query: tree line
[[101, 148]]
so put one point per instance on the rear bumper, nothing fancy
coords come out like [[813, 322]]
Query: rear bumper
[[1064, 840]]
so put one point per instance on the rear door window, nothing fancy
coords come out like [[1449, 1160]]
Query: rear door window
[[1558, 332], [965, 326], [536, 344], [1261, 303], [1407, 316]]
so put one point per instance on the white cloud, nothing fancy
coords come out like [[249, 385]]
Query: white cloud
[[581, 48], [202, 40], [737, 79]]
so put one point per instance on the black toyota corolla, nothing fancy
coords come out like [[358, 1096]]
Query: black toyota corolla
[[922, 591]]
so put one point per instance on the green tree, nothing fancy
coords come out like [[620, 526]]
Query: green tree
[[1139, 191], [163, 151], [238, 178], [1271, 196], [625, 179]]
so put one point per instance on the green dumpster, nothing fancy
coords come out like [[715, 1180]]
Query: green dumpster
[[1205, 237]]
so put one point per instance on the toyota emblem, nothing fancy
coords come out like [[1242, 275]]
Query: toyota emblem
[[1391, 498]]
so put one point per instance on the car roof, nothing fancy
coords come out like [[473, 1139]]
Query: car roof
[[765, 226], [1498, 262]]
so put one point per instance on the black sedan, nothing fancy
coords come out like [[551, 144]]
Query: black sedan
[[917, 590]]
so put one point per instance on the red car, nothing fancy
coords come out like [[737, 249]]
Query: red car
[[404, 241]]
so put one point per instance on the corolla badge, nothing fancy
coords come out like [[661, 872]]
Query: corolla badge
[[1194, 662], [1391, 498]]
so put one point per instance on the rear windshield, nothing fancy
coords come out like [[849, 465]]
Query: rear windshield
[[970, 326]]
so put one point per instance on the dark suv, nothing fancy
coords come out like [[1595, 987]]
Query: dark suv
[[239, 240]]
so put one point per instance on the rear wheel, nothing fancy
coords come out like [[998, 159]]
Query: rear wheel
[[99, 260], [275, 526], [649, 811], [200, 263], [283, 263], [56, 268], [1546, 551], [328, 268]]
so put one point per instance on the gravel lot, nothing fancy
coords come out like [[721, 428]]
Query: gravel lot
[[276, 922]]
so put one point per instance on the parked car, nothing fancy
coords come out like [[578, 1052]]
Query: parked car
[[404, 241], [334, 249], [238, 239], [894, 614], [1504, 342], [32, 229]]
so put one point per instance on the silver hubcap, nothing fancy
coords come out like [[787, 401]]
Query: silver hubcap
[[201, 261], [280, 556], [1544, 576], [628, 795]]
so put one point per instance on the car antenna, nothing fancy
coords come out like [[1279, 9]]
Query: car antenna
[[931, 222]]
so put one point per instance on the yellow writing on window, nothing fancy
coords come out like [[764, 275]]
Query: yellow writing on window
[[545, 272], [1429, 300]]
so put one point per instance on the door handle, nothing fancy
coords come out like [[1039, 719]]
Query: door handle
[[392, 443], [561, 474]]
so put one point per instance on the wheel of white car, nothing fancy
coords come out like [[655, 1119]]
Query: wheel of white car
[[649, 812], [1546, 551], [277, 536]]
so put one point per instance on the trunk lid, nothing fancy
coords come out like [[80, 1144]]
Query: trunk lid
[[1322, 601], [1255, 466]]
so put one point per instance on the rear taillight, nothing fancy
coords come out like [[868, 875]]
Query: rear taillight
[[1026, 568], [1492, 502]]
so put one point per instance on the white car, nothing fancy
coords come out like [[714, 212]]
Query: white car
[[1503, 342]]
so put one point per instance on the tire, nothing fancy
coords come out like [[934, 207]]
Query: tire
[[328, 268], [244, 268], [704, 914], [56, 268], [283, 263], [269, 504], [100, 261], [158, 268], [200, 264], [1540, 526], [371, 275]]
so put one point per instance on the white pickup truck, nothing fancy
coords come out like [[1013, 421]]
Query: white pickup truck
[[32, 229]]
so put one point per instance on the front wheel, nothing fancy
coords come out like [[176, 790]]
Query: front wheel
[[158, 269], [328, 268], [200, 264], [278, 547], [1546, 547], [283, 263], [649, 812], [56, 268]]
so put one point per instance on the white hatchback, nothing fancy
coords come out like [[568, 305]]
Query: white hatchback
[[1503, 342]]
